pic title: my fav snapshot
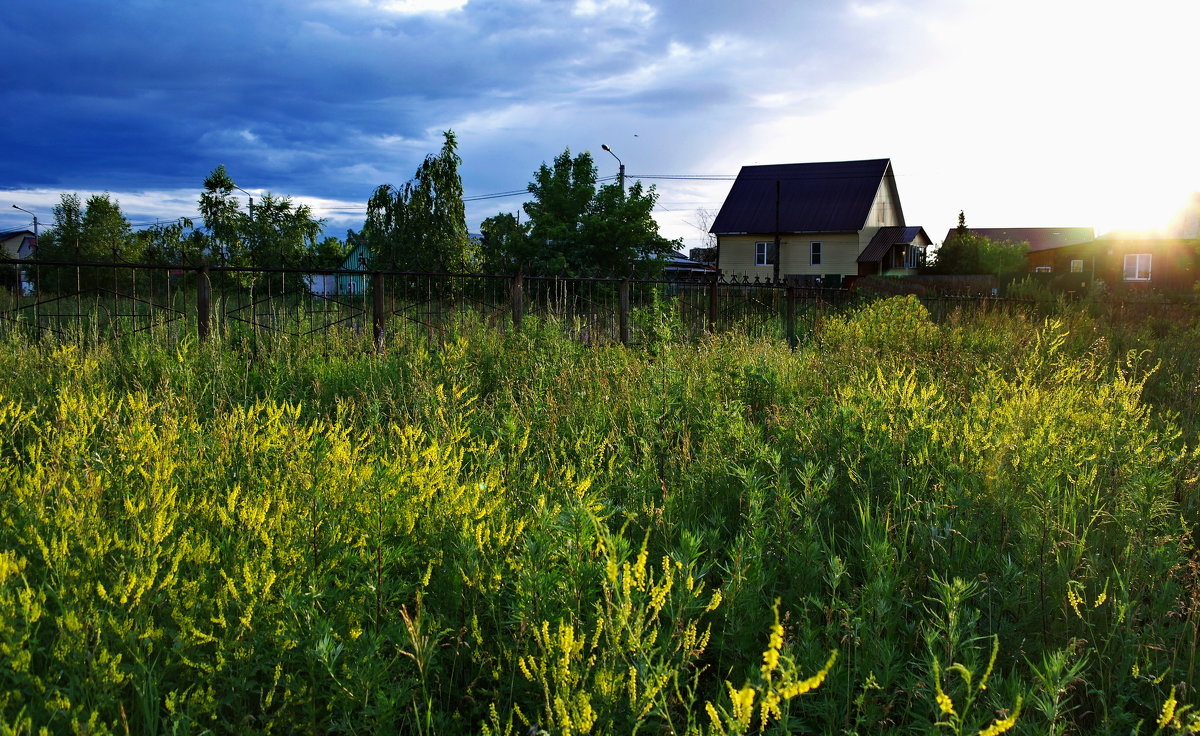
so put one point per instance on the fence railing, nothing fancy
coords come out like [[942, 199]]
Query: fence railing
[[80, 300]]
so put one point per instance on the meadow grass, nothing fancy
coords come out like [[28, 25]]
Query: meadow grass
[[983, 524]]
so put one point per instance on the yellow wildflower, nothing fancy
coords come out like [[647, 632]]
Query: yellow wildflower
[[1168, 710], [999, 726]]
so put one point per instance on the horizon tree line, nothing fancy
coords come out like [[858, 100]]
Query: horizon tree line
[[572, 226]]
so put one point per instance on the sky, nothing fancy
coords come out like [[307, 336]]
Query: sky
[[1022, 113]]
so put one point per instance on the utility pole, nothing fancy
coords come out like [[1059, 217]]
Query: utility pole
[[775, 272]]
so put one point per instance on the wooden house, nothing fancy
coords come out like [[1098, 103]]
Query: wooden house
[[816, 221], [1135, 261]]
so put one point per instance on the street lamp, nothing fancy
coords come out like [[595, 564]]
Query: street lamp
[[249, 196], [35, 223], [620, 169]]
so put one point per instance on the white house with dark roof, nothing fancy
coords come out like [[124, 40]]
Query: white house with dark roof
[[18, 243], [830, 220]]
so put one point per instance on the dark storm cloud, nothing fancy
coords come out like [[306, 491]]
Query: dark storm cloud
[[333, 98]]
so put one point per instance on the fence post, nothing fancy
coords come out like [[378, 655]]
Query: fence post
[[203, 303], [378, 308], [712, 305], [623, 307], [518, 299], [791, 315]]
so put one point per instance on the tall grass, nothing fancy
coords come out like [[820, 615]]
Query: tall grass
[[518, 532]]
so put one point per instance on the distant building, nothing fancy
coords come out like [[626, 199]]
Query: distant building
[[1044, 242], [1127, 259], [18, 243]]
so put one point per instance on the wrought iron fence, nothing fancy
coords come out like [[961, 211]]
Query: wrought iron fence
[[89, 300]]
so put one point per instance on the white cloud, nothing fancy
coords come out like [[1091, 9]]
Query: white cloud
[[416, 7], [625, 11], [403, 7]]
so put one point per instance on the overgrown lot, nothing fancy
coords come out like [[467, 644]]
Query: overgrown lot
[[984, 518]]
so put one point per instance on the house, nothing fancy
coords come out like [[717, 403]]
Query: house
[[831, 221], [1044, 255], [358, 259], [18, 243], [1134, 260], [681, 268]]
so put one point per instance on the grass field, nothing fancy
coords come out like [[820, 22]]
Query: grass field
[[979, 525]]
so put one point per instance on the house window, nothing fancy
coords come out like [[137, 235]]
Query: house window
[[1077, 265], [915, 257], [764, 254], [814, 254], [1042, 269], [1137, 266]]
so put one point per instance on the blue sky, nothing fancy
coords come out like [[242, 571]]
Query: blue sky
[[1021, 113]]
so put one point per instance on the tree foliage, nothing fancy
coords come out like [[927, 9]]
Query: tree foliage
[[505, 246], [575, 226], [95, 230], [422, 225], [273, 232], [965, 252]]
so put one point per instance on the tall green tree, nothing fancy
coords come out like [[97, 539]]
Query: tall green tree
[[222, 216], [576, 226], [95, 230], [272, 232], [279, 233], [422, 225], [63, 240], [92, 230], [107, 234]]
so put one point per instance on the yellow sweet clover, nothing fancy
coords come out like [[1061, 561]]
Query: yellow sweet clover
[[1001, 725], [1168, 710]]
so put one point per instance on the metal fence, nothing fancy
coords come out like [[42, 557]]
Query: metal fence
[[101, 301]]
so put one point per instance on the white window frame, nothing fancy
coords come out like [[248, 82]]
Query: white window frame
[[1138, 268], [1043, 269], [814, 253], [762, 251], [1076, 265]]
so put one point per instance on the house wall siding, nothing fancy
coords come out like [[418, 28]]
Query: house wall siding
[[839, 254], [884, 210]]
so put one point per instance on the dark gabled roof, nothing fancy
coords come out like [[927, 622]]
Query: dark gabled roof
[[1039, 238], [6, 234], [817, 197], [886, 238]]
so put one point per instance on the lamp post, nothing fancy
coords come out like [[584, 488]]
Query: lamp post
[[249, 196], [35, 223], [620, 169]]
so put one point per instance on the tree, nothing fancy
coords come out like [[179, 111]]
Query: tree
[[221, 215], [330, 253], [278, 233], [620, 234], [95, 230], [703, 221], [273, 232], [965, 252], [422, 225], [172, 243], [505, 245], [63, 240], [575, 227], [107, 234]]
